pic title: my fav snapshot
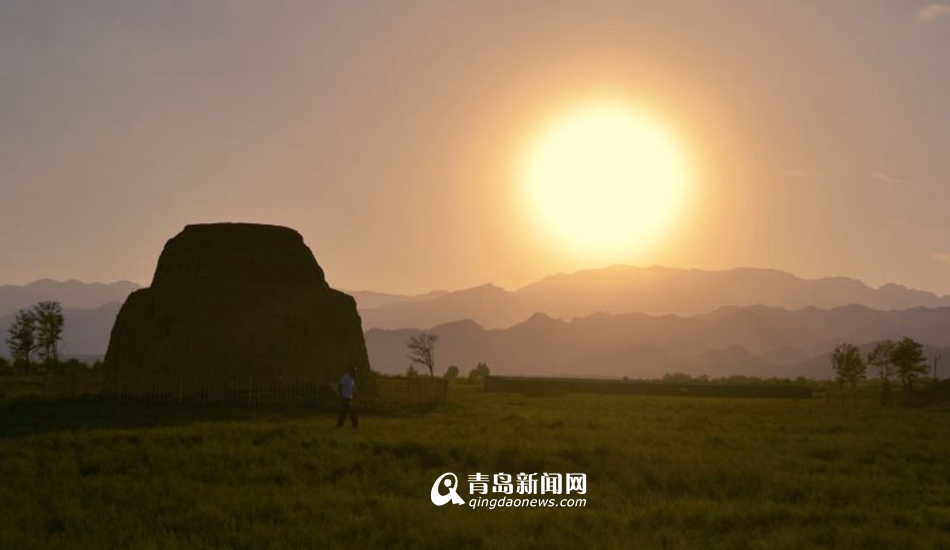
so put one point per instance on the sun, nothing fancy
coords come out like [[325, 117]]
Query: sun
[[605, 180]]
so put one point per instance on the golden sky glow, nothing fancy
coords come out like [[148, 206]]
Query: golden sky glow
[[397, 137]]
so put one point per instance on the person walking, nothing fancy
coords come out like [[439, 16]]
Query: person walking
[[346, 387]]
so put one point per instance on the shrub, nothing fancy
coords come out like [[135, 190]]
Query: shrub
[[480, 371]]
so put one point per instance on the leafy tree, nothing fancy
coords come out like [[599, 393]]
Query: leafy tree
[[451, 373], [49, 330], [422, 350], [480, 371], [412, 372], [21, 338], [909, 360], [848, 364], [882, 357]]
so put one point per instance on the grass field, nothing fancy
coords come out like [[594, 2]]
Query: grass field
[[662, 473]]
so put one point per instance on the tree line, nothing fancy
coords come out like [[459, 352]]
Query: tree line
[[901, 360], [35, 333]]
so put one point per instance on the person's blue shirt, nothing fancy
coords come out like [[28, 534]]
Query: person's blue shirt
[[346, 386]]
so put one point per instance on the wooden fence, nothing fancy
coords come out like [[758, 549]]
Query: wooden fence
[[375, 390], [208, 389], [62, 385]]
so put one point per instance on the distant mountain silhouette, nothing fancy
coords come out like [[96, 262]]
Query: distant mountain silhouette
[[652, 290], [685, 325], [71, 294], [751, 340], [367, 299], [490, 305]]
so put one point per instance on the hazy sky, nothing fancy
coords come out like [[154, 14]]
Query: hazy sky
[[390, 133]]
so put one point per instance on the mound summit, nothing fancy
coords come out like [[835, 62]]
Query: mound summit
[[234, 302]]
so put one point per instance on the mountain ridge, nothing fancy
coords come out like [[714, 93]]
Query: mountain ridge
[[654, 290], [595, 309], [755, 340], [70, 293]]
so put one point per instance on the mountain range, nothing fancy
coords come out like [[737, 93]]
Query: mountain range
[[748, 340], [71, 294], [651, 290], [368, 299], [616, 321]]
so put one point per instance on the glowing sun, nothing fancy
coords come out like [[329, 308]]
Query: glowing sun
[[606, 179]]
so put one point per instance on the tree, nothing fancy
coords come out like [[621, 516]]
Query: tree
[[21, 338], [451, 373], [422, 350], [882, 357], [412, 372], [848, 364], [49, 330], [480, 371], [909, 360]]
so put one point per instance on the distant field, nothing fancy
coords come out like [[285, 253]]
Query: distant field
[[662, 473]]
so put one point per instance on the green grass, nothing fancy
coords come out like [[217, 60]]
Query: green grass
[[662, 473]]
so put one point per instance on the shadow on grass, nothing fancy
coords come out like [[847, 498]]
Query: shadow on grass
[[22, 418]]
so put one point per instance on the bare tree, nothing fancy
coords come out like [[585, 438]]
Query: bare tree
[[422, 350]]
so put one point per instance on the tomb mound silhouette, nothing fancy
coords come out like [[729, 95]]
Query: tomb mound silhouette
[[233, 306]]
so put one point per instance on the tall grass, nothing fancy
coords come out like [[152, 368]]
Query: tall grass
[[662, 473]]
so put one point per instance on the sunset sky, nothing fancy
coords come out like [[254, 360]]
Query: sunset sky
[[394, 135]]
